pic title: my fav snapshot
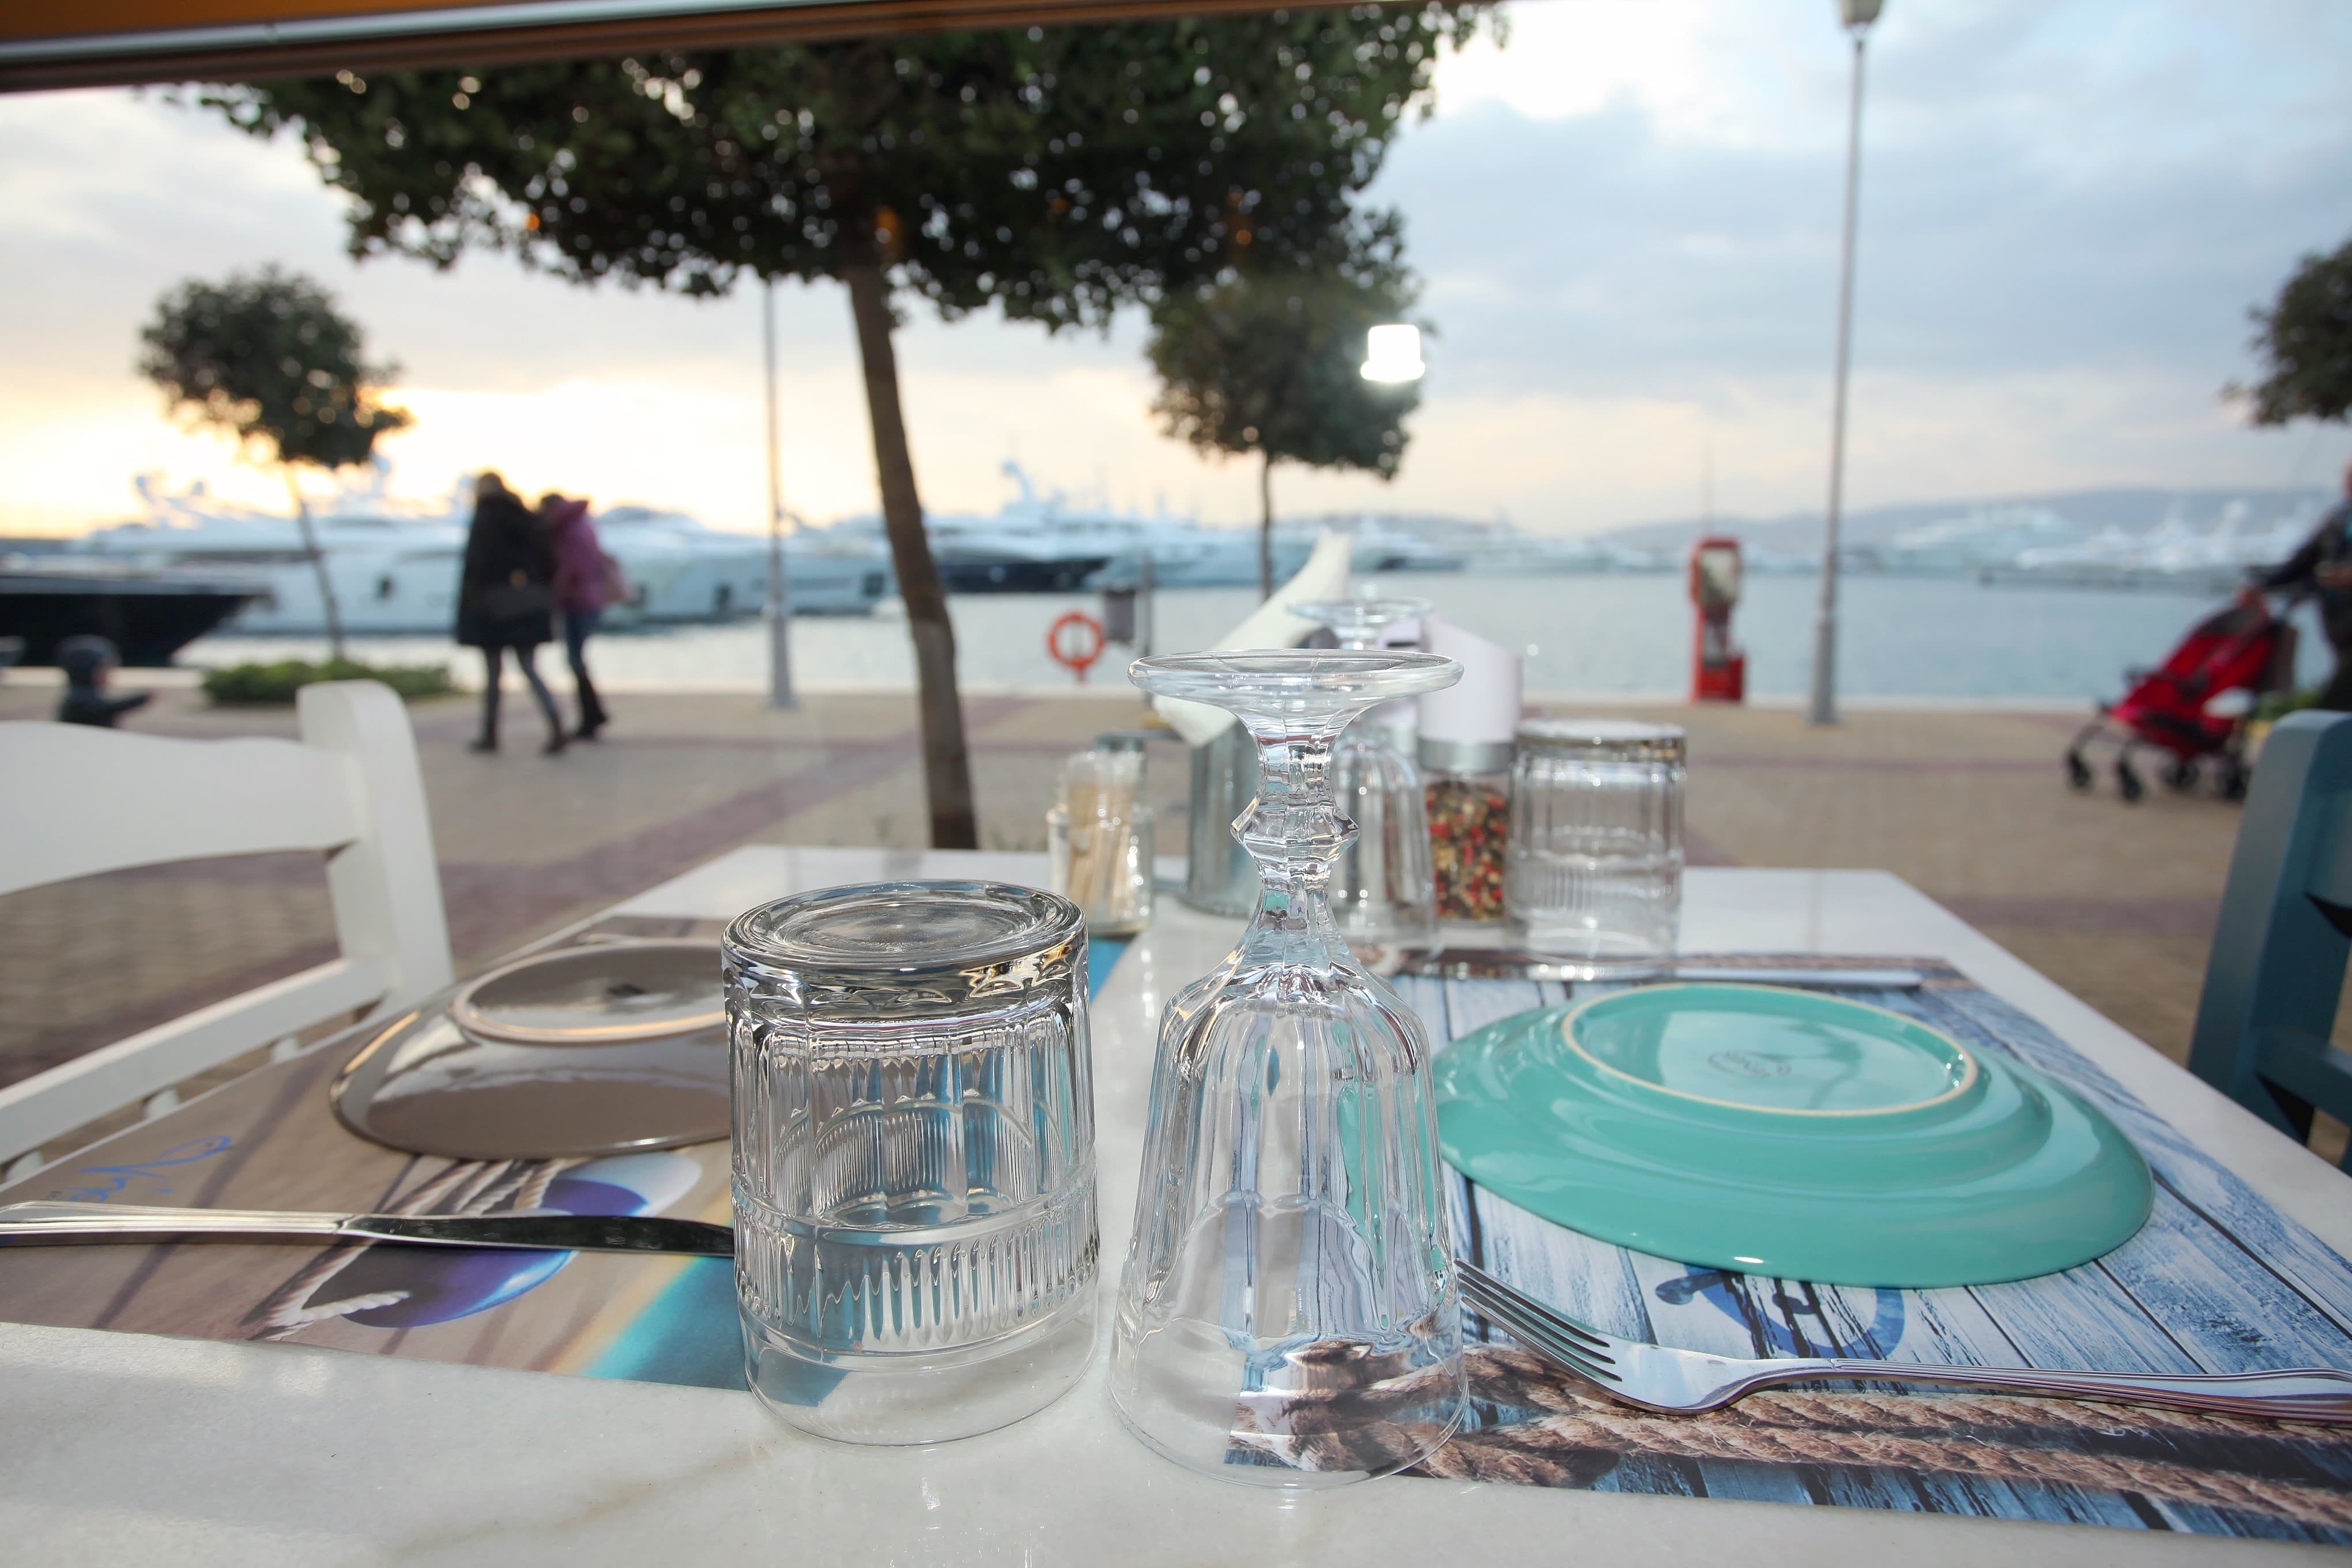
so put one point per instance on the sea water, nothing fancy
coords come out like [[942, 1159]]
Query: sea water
[[1622, 634]]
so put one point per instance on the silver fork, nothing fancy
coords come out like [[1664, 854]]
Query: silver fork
[[1679, 1381]]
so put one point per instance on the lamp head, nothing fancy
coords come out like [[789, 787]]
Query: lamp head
[[1858, 13], [1392, 353]]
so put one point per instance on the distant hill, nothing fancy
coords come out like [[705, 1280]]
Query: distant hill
[[2136, 510]]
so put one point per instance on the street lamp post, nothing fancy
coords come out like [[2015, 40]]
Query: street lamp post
[[779, 607], [1857, 16]]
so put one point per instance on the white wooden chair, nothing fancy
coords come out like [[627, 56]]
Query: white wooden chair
[[77, 801]]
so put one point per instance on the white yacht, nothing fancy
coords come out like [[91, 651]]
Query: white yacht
[[394, 564], [1050, 542]]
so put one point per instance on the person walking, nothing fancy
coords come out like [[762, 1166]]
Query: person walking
[[506, 601], [2322, 567], [582, 588]]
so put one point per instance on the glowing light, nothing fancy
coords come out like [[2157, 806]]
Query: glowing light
[[1392, 353]]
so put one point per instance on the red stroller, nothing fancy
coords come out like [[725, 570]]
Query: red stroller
[[2170, 708]]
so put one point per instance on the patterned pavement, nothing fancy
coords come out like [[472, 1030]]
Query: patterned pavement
[[2114, 903]]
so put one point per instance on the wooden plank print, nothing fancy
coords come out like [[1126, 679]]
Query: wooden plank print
[[2218, 1281]]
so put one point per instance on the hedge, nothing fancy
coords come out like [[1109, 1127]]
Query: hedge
[[274, 685]]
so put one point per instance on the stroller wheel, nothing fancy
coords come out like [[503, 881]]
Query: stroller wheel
[[2128, 783], [2182, 776], [2233, 779], [2078, 772]]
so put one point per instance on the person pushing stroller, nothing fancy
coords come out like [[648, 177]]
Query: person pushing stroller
[[2322, 568]]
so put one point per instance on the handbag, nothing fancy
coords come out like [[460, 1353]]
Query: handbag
[[515, 601], [618, 589]]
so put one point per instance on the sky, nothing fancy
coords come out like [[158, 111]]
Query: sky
[[1627, 219]]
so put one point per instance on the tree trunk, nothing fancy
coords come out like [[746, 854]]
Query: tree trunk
[[947, 766], [1264, 526], [319, 565]]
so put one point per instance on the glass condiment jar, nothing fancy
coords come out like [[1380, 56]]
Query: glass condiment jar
[[1468, 791]]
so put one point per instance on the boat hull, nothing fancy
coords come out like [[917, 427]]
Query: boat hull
[[999, 574], [148, 620]]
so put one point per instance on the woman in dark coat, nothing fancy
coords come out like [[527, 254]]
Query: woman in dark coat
[[506, 600]]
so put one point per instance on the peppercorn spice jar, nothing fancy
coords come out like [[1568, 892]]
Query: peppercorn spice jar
[[1466, 751], [1468, 786]]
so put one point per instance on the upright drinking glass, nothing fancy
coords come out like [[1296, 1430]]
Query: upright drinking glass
[[1382, 892], [1288, 1314], [914, 1248]]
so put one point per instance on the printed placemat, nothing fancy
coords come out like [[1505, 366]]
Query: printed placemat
[[2218, 1281]]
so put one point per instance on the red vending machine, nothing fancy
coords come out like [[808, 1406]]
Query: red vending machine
[[1718, 668]]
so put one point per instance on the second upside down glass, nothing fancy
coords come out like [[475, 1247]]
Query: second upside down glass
[[1287, 1313]]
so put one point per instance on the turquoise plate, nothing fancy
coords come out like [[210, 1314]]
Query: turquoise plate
[[1787, 1133]]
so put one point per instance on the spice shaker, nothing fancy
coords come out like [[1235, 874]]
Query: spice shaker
[[1466, 761]]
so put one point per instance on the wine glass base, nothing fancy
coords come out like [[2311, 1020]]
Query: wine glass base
[[1348, 1411]]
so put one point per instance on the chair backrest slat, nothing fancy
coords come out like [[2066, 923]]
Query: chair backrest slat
[[2276, 971], [2330, 880], [79, 801]]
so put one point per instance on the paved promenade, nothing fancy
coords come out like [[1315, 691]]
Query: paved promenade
[[2114, 903]]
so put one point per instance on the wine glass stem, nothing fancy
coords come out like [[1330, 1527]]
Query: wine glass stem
[[1294, 830]]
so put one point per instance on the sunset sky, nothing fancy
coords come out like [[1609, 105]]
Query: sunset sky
[[1627, 222]]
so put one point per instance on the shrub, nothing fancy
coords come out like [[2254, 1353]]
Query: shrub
[[274, 685]]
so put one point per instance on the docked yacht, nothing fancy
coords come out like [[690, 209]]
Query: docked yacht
[[394, 564], [1049, 542], [149, 614]]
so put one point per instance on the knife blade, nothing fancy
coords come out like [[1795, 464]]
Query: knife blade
[[1509, 964], [34, 1223]]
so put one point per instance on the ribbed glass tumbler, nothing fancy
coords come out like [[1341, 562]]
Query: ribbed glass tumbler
[[1594, 876], [914, 1161], [1288, 1314]]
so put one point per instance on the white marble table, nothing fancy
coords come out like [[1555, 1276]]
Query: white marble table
[[121, 1448]]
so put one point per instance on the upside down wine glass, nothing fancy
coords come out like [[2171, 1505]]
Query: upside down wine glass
[[1383, 891], [1287, 1313]]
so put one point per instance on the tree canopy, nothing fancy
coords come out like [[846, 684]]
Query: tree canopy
[[2305, 344], [267, 357], [1054, 174], [1269, 362]]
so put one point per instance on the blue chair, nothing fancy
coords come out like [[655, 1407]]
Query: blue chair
[[2277, 967]]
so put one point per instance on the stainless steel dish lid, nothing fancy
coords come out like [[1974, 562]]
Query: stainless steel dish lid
[[596, 993], [425, 1085]]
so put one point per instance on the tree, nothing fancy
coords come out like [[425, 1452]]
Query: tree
[[267, 357], [2305, 344], [1270, 362], [1053, 173]]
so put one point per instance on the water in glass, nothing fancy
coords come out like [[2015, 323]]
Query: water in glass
[[914, 1178]]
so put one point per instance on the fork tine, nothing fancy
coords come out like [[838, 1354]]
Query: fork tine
[[1535, 1337], [1595, 1346]]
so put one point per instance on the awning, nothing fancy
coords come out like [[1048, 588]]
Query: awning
[[112, 43]]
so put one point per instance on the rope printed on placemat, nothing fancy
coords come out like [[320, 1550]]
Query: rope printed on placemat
[[2011, 1438], [465, 1187]]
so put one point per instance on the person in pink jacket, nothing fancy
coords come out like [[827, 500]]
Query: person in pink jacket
[[583, 586]]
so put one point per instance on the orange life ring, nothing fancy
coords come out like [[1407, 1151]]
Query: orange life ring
[[1078, 658]]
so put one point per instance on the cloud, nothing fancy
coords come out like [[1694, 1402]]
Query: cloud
[[1628, 220]]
